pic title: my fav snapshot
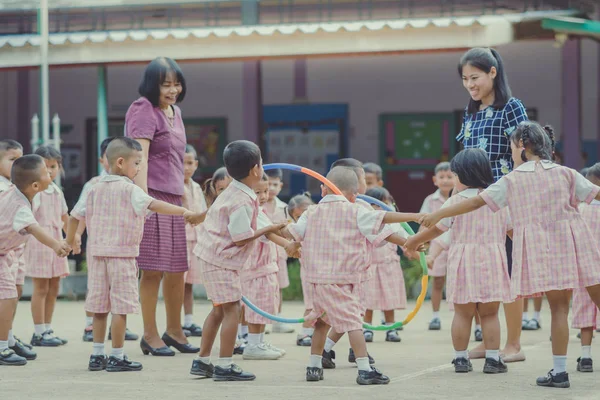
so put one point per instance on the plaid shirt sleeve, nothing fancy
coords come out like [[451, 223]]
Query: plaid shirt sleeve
[[514, 114]]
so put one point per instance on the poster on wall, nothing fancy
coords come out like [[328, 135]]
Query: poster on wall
[[209, 138]]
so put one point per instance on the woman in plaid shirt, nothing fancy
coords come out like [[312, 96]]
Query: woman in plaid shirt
[[490, 117]]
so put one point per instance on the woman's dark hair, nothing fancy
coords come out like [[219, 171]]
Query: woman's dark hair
[[240, 157], [154, 76], [593, 171], [381, 194], [210, 190], [49, 153], [484, 59], [472, 166], [537, 139]]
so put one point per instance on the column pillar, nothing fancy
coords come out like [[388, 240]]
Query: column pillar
[[571, 103], [252, 82], [102, 113], [300, 81]]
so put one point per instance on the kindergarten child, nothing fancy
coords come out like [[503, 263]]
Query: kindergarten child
[[477, 270], [42, 265], [373, 175], [553, 248], [226, 243], [216, 185], [115, 210], [444, 181], [585, 312], [29, 176], [193, 199]]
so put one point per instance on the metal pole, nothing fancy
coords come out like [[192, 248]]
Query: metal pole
[[35, 132], [45, 104], [56, 140], [102, 124]]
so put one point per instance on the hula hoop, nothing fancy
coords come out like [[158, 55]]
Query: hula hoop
[[370, 200]]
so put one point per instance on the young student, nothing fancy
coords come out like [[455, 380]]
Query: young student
[[533, 323], [296, 207], [477, 270], [226, 242], [193, 199], [373, 175], [443, 179], [42, 265], [11, 150], [335, 277], [216, 185], [29, 176], [114, 211], [585, 312], [573, 259], [276, 211]]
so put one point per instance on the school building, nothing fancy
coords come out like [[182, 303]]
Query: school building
[[309, 80]]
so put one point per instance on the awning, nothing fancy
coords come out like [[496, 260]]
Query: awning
[[573, 26], [268, 41]]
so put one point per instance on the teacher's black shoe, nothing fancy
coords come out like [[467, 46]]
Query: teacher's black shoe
[[164, 351], [181, 347]]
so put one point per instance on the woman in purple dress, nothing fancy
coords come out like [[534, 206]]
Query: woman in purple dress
[[155, 121]]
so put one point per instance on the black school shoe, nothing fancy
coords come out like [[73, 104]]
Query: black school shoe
[[97, 363], [62, 341], [30, 347], [314, 374], [492, 366], [372, 377], [200, 368], [231, 373], [478, 335], [23, 351], [352, 357], [192, 330], [88, 334], [558, 381], [117, 365], [8, 357], [462, 365], [585, 365], [40, 341], [328, 359]]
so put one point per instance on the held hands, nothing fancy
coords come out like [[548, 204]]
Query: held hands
[[62, 248], [293, 249], [276, 228], [193, 218], [77, 244], [429, 220], [412, 245]]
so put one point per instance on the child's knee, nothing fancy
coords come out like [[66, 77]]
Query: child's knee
[[101, 316], [438, 282]]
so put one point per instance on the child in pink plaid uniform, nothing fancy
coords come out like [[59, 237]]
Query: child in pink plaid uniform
[[41, 264], [29, 176], [444, 181], [585, 312], [554, 250], [477, 275], [334, 273], [226, 244], [114, 211], [193, 199]]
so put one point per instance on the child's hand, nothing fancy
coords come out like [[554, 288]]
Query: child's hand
[[193, 218], [275, 228], [77, 244], [411, 254], [293, 249], [411, 244], [62, 249], [429, 220]]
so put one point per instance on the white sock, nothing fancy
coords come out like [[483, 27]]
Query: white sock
[[39, 329], [48, 327], [307, 331], [89, 321], [253, 339], [536, 316], [436, 314], [98, 349], [188, 320], [461, 354], [244, 330], [239, 330], [11, 339], [3, 345], [477, 327], [205, 360], [363, 364], [117, 353], [560, 364], [586, 351], [262, 337], [495, 354], [224, 362], [329, 345], [525, 316], [315, 361]]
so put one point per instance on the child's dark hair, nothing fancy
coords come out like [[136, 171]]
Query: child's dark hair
[[275, 173], [300, 200], [472, 166], [154, 76], [372, 168], [25, 170], [49, 153], [443, 166], [9, 144], [484, 59], [536, 139], [240, 157], [210, 190], [122, 146], [189, 149], [104, 145], [264, 177], [351, 163], [593, 171], [382, 194]]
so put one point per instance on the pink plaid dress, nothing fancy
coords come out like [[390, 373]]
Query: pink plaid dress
[[553, 248], [49, 207], [193, 199], [15, 216], [338, 238], [477, 264], [431, 204], [278, 215], [386, 290], [231, 218], [585, 312]]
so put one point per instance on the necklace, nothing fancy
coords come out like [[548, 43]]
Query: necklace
[[170, 115]]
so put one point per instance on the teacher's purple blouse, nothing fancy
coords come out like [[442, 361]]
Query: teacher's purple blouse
[[167, 144]]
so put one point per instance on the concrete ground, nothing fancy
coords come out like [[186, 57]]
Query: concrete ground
[[419, 368]]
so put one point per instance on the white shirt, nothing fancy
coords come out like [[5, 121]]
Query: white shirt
[[5, 184], [240, 220], [24, 216]]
